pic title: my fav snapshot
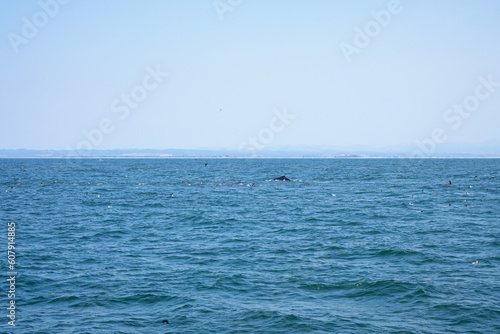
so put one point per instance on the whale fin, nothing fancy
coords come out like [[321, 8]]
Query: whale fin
[[282, 178]]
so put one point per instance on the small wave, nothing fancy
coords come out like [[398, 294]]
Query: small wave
[[396, 252], [63, 299]]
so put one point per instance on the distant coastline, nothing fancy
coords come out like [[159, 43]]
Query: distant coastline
[[227, 154]]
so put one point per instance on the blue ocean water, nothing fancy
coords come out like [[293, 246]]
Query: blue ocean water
[[348, 246]]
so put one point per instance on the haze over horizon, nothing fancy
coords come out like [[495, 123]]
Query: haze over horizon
[[249, 75]]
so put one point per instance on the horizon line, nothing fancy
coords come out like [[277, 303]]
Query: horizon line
[[251, 157]]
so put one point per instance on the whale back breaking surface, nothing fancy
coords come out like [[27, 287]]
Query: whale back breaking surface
[[282, 178]]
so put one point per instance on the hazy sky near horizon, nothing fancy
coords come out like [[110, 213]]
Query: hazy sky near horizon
[[92, 74]]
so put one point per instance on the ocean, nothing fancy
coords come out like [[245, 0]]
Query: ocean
[[218, 246]]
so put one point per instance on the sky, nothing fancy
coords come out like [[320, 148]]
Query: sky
[[241, 74]]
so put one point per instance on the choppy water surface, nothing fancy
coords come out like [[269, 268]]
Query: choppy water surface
[[349, 246]]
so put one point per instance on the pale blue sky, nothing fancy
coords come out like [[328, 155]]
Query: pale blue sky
[[264, 55]]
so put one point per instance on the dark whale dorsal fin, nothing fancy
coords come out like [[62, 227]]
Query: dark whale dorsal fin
[[282, 178]]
